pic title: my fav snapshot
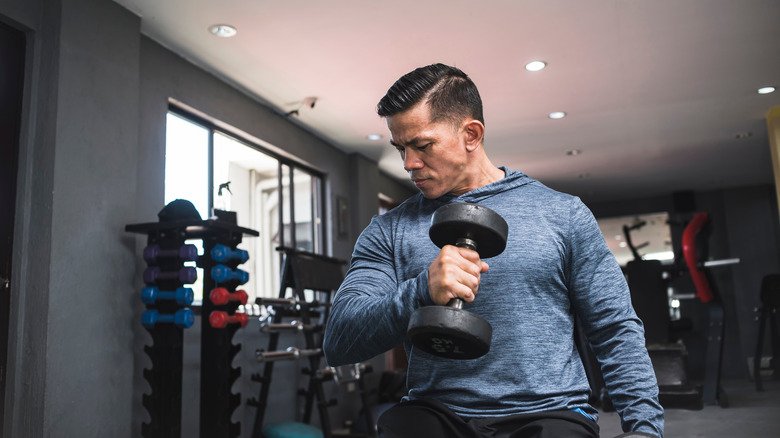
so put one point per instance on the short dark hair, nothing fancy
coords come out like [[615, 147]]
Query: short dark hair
[[449, 93]]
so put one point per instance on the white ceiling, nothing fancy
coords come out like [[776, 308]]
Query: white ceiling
[[655, 90]]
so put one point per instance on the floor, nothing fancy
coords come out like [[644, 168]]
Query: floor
[[750, 414]]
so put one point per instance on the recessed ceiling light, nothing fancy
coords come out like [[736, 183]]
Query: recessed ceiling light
[[374, 137], [622, 244], [535, 65], [223, 30], [572, 152], [557, 115], [766, 90]]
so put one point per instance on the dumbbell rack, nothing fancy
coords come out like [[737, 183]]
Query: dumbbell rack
[[217, 376], [301, 271]]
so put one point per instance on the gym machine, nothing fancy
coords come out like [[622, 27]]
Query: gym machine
[[165, 317], [648, 281]]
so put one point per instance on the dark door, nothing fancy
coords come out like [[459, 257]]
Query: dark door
[[12, 48]]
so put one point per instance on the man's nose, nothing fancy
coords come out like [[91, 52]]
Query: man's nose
[[412, 161]]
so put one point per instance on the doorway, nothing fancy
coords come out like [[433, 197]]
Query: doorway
[[12, 53]]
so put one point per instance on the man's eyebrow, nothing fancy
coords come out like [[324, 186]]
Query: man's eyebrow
[[412, 142]]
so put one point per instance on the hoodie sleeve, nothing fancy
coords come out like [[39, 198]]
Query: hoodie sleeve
[[602, 301], [372, 308]]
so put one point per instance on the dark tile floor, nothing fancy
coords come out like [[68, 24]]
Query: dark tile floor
[[750, 414]]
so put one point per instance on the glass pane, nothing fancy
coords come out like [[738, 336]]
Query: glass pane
[[187, 163], [252, 179], [287, 238], [316, 189], [304, 214]]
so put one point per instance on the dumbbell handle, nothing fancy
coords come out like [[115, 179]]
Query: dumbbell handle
[[221, 296], [287, 302], [291, 353], [463, 242], [293, 325]]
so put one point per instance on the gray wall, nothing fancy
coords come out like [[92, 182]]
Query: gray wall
[[71, 360], [744, 224], [91, 161]]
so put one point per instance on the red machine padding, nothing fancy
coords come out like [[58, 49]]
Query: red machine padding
[[703, 290]]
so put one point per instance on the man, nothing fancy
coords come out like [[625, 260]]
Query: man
[[556, 265]]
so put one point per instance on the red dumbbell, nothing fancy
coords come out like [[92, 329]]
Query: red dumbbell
[[220, 296], [219, 319]]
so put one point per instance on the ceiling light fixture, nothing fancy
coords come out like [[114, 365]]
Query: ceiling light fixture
[[374, 137], [223, 30], [535, 65], [572, 152], [766, 90], [557, 115]]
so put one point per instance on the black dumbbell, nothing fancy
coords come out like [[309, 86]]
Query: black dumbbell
[[449, 331]]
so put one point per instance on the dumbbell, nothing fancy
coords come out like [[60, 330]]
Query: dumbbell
[[290, 303], [152, 294], [291, 353], [289, 326], [186, 275], [183, 318], [221, 296], [220, 319], [223, 274], [187, 253], [449, 331], [222, 253]]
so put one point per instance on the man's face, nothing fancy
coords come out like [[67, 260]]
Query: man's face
[[434, 153]]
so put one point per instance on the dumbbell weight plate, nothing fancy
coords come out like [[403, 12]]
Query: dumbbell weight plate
[[450, 333], [480, 224]]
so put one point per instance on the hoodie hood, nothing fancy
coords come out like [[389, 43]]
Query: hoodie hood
[[511, 180]]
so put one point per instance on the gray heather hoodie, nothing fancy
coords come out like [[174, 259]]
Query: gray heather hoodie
[[556, 263]]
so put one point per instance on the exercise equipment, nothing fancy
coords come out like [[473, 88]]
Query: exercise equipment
[[152, 294], [180, 222], [449, 331], [770, 305], [220, 296], [223, 254], [155, 274], [290, 303], [301, 271], [187, 253], [223, 274], [183, 318], [291, 430], [220, 319], [648, 281], [296, 326], [291, 353]]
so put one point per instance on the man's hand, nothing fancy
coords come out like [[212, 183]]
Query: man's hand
[[455, 273]]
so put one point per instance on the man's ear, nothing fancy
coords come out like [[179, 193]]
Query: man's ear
[[473, 133]]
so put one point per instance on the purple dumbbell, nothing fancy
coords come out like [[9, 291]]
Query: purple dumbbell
[[152, 294], [222, 253], [222, 274], [187, 253], [186, 275], [183, 318]]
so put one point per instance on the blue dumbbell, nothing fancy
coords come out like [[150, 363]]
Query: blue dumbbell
[[187, 253], [186, 275], [222, 274], [222, 253], [152, 294], [183, 318]]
